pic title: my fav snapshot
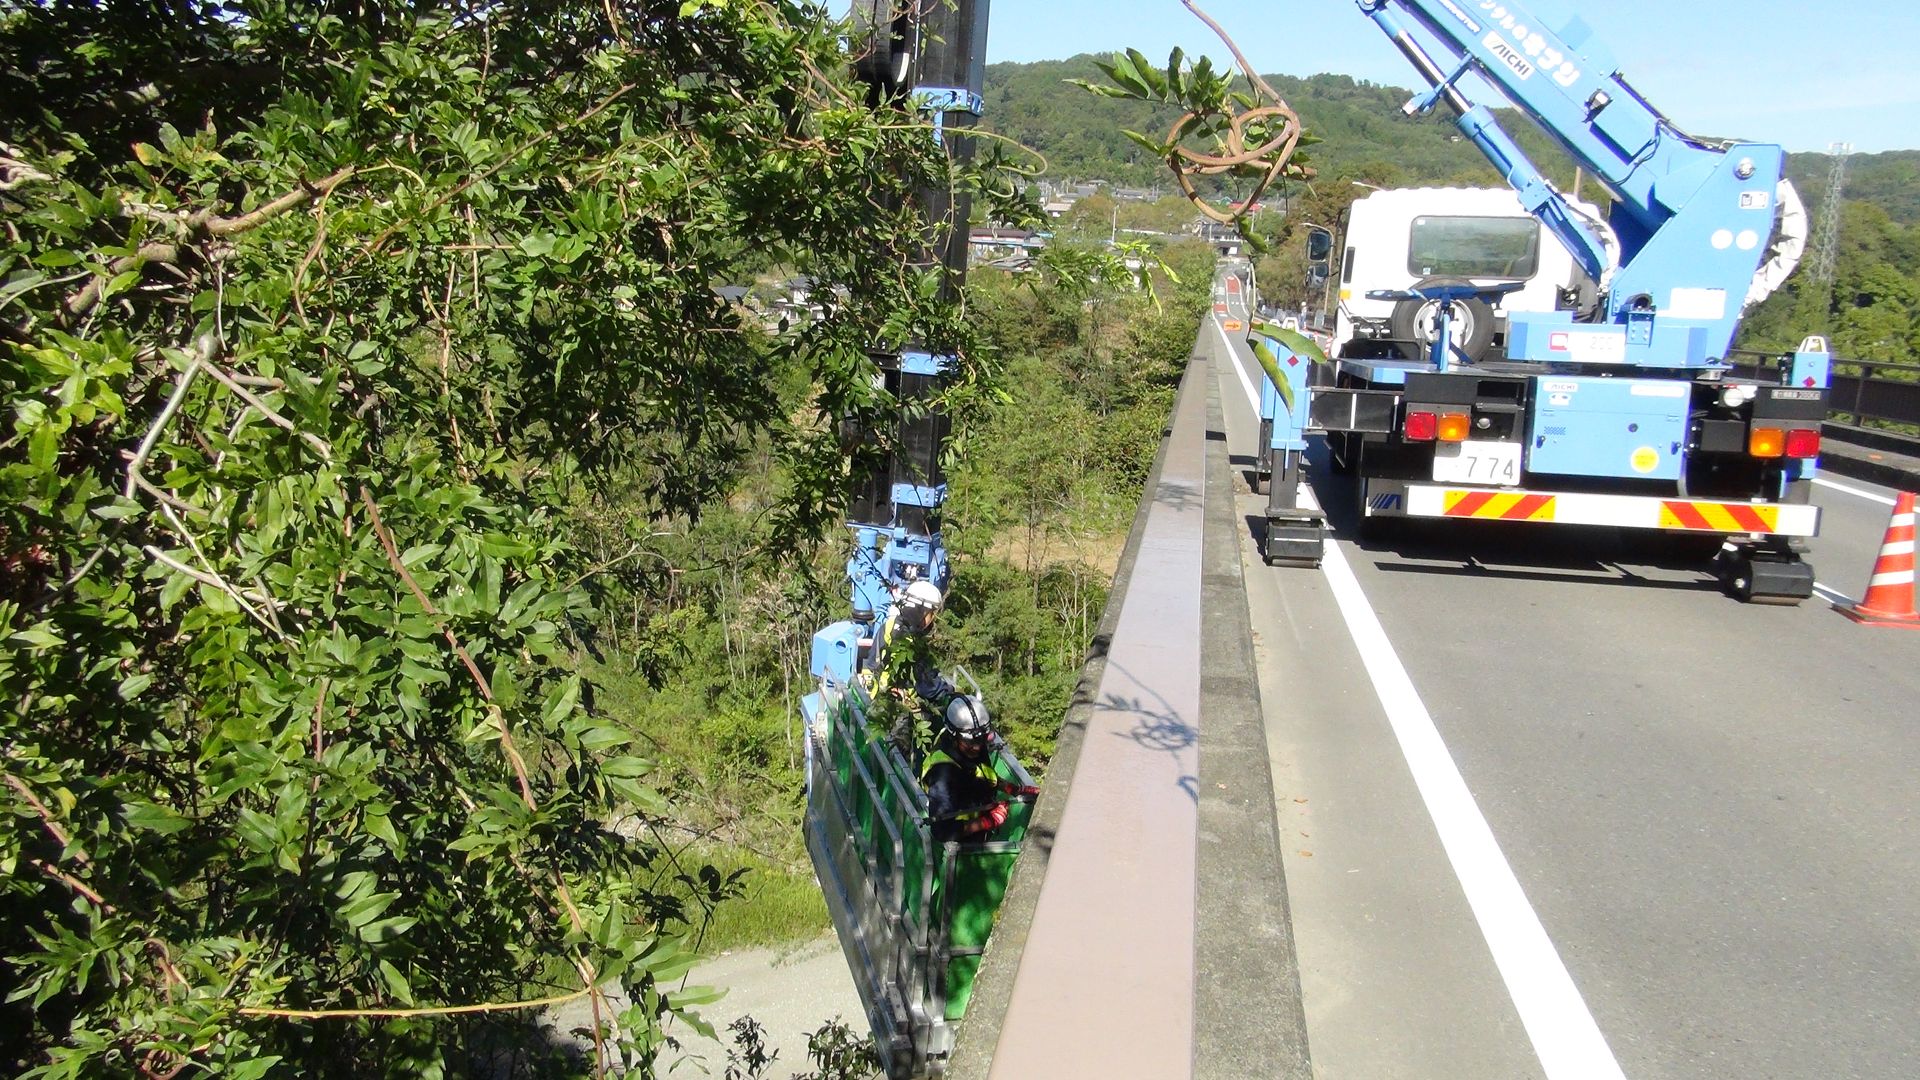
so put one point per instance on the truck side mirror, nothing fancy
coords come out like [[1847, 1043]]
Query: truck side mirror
[[1319, 244]]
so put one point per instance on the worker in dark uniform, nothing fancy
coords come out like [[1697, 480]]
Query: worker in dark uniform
[[965, 797]]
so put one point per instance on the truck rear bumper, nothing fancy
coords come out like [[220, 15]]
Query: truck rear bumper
[[1399, 498]]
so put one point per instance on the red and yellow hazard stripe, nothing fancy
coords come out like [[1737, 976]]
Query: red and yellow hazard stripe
[[1499, 505], [1719, 517]]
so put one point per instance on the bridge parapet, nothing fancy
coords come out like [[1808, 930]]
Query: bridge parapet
[[1153, 855]]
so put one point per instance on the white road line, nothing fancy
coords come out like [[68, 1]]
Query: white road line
[[1564, 1034], [1868, 495], [1832, 595]]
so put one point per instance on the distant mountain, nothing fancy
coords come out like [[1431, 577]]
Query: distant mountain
[[1889, 180], [1363, 133]]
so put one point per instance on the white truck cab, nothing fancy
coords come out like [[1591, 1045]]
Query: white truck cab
[[1400, 239]]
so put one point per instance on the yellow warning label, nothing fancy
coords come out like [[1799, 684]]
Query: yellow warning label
[[1645, 460]]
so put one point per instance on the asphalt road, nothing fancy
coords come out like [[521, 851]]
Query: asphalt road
[[1552, 805]]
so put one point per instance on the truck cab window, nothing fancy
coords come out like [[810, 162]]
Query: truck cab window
[[1474, 247]]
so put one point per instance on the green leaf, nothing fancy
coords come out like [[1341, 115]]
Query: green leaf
[[1294, 340], [698, 1023], [380, 826], [251, 1068], [120, 282], [43, 447], [695, 995], [506, 686], [1121, 71], [600, 737], [1102, 89], [502, 546], [386, 929], [132, 686], [364, 910], [258, 831], [152, 817], [19, 284], [36, 637], [561, 702], [397, 984], [1149, 75]]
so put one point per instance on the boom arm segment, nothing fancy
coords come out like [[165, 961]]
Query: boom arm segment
[[1691, 219]]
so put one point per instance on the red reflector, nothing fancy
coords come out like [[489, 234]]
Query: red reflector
[[1422, 426], [1803, 443]]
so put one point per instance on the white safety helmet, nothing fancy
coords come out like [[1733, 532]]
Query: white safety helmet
[[917, 605], [967, 717]]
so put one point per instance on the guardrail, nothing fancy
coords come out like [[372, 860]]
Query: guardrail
[[1860, 391]]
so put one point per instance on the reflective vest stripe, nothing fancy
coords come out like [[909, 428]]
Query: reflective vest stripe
[[983, 769]]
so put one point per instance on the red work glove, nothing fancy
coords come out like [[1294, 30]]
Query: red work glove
[[1023, 790], [990, 819]]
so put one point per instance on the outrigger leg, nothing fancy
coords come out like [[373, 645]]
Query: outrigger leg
[[1296, 535], [1763, 570]]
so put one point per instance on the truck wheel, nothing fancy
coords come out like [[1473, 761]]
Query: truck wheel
[[1414, 323]]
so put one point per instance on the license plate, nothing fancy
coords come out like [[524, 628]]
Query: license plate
[[1495, 463]]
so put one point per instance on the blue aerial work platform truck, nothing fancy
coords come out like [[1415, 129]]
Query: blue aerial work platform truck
[[1456, 388], [913, 910]]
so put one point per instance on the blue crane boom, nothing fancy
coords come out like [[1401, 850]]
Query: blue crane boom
[[1692, 219]]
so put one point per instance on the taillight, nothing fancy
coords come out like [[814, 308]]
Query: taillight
[[1422, 426], [1766, 442], [1453, 426], [1803, 443]]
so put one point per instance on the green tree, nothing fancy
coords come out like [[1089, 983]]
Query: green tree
[[318, 320]]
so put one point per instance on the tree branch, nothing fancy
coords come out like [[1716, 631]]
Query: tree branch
[[203, 225], [46, 818], [300, 196], [84, 301]]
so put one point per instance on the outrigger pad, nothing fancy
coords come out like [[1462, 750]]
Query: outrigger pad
[[1779, 581], [1295, 537]]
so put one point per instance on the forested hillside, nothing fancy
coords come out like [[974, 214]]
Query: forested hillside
[[1363, 132], [1872, 311]]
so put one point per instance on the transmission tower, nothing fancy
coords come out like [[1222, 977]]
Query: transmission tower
[[1826, 239]]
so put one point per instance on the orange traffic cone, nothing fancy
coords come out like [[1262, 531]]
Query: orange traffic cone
[[1889, 599]]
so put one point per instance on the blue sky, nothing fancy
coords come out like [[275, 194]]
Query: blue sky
[[1796, 72]]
